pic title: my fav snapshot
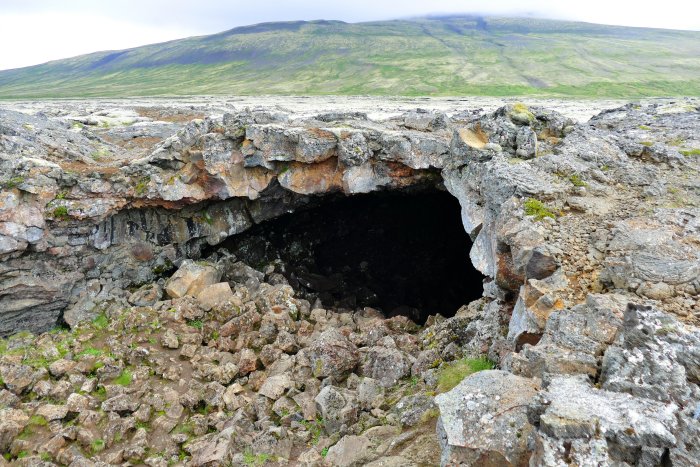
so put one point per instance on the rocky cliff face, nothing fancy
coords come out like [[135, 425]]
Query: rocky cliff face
[[589, 235]]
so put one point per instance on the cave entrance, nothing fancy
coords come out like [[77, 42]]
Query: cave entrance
[[401, 252]]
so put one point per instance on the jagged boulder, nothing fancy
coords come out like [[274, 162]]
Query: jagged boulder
[[332, 354], [351, 451], [191, 278], [386, 365], [338, 408], [483, 421], [599, 425], [573, 339]]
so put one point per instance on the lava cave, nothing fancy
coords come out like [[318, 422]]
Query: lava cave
[[400, 252]]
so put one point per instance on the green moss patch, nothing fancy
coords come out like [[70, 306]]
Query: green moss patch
[[253, 460], [101, 321], [451, 374], [576, 180], [125, 378]]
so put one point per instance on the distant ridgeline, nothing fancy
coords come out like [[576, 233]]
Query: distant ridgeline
[[455, 55]]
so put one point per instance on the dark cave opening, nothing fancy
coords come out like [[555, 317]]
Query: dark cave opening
[[400, 252]]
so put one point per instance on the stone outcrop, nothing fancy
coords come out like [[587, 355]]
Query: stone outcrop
[[643, 409], [83, 215]]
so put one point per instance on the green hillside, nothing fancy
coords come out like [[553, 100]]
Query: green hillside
[[427, 56]]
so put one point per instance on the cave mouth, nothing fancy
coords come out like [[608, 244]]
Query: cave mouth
[[400, 252]]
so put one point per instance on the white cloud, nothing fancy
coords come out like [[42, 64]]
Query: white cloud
[[35, 31], [29, 39]]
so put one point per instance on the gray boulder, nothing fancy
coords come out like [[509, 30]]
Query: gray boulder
[[526, 143], [123, 403], [386, 365], [338, 407], [332, 354], [414, 410], [483, 420], [12, 422], [609, 426], [191, 278], [351, 451]]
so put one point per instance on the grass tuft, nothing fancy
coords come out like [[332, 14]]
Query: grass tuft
[[142, 186], [38, 420], [125, 378], [255, 460], [533, 207], [13, 182], [97, 445], [101, 321], [91, 352], [314, 427], [690, 152], [60, 213], [576, 180], [101, 393], [451, 374]]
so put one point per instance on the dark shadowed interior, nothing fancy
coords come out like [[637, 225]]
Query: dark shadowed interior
[[403, 253]]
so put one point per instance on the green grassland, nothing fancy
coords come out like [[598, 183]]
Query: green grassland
[[428, 56]]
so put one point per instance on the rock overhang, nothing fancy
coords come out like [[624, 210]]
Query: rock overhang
[[218, 176]]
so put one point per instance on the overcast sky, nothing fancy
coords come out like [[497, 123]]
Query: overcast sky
[[35, 31]]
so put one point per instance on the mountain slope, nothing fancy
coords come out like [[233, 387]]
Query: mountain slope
[[427, 56]]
